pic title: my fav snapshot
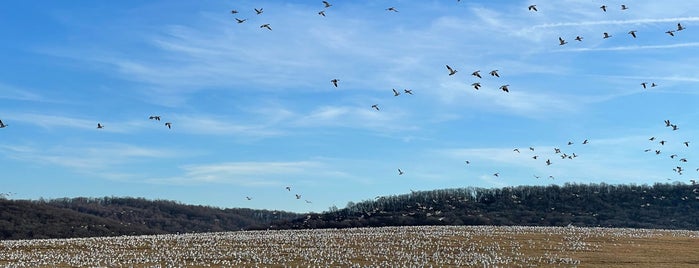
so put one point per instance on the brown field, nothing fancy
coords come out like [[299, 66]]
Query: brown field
[[479, 246]]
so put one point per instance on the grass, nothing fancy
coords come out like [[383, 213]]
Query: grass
[[443, 246]]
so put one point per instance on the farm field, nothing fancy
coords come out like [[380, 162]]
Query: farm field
[[421, 246]]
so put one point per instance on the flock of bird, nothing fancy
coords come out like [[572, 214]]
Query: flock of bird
[[677, 167]]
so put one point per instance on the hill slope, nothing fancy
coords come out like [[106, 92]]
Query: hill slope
[[109, 216], [664, 206]]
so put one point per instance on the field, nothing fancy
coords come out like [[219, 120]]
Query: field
[[478, 246]]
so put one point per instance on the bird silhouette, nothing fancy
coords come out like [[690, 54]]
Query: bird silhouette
[[680, 27], [298, 196], [604, 8], [561, 41], [234, 11], [505, 88], [667, 123], [288, 188], [548, 162], [248, 198], [494, 73], [653, 85], [2, 125], [400, 172], [644, 84], [606, 35], [476, 85], [579, 38], [322, 13], [375, 106], [585, 142], [476, 74], [408, 91], [532, 7], [169, 125], [633, 33], [497, 174], [240, 20], [670, 32], [624, 7], [100, 125], [334, 81], [451, 71], [392, 9], [516, 150], [154, 117], [651, 139], [266, 25], [327, 5], [259, 11], [686, 143], [395, 92]]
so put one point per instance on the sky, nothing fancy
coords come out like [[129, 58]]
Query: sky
[[253, 110]]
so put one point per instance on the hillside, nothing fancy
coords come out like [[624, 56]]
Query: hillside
[[666, 206], [110, 216]]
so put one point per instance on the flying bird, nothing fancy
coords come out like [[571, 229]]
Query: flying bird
[[494, 73], [535, 157], [633, 33], [400, 172], [624, 7], [667, 123], [169, 125], [451, 71], [322, 13], [653, 85], [497, 174], [651, 139], [259, 11], [585, 142], [477, 74], [334, 81], [604, 8], [606, 35], [686, 143], [2, 125], [670, 32], [100, 125], [516, 150], [532, 7], [327, 5], [375, 106], [644, 84], [155, 117], [531, 149], [570, 143], [548, 162], [266, 25], [234, 11], [476, 85], [683, 160], [240, 21], [395, 92], [662, 142], [288, 188], [408, 91], [298, 196], [680, 27], [579, 38], [505, 88], [392, 9], [561, 41]]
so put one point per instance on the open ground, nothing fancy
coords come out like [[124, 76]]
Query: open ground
[[438, 246]]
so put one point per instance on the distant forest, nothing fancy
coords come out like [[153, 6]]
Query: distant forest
[[665, 206]]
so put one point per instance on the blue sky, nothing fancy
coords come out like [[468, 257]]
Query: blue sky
[[254, 111]]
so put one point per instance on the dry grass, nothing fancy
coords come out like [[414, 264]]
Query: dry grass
[[481, 246]]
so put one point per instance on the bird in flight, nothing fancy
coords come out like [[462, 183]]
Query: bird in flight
[[670, 32], [240, 21], [477, 74], [451, 71], [408, 91], [516, 150], [395, 92], [100, 125], [288, 188], [585, 142], [561, 41], [680, 27], [532, 7], [327, 5], [496, 174], [248, 198], [604, 8], [476, 85], [633, 33], [570, 143], [2, 125], [234, 11], [375, 106], [266, 25], [494, 73], [644, 84], [259, 11], [154, 117], [298, 196], [606, 35], [579, 38], [651, 139], [322, 13], [468, 162], [686, 143], [548, 162], [334, 81], [667, 123], [400, 172], [505, 88], [392, 9], [624, 7], [169, 125]]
